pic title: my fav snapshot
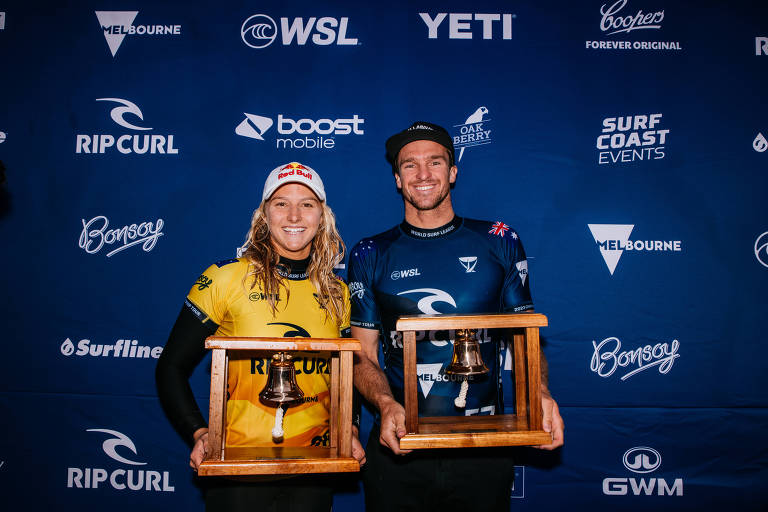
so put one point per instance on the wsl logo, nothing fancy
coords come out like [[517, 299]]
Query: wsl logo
[[642, 460], [469, 26], [303, 133], [118, 24], [613, 240], [627, 139], [119, 448], [129, 116], [473, 132], [260, 31]]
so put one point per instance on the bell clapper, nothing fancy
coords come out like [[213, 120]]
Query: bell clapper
[[461, 400], [277, 430]]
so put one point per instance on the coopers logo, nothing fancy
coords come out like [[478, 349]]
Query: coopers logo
[[127, 115], [120, 448], [122, 348], [468, 25], [615, 19], [642, 460], [608, 357], [302, 133], [475, 131], [259, 31], [625, 139], [118, 24], [613, 240]]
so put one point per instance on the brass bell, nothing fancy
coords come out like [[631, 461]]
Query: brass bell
[[281, 388], [466, 354]]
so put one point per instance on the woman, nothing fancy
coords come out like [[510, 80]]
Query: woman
[[283, 285]]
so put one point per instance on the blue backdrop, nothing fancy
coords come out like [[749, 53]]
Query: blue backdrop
[[624, 140]]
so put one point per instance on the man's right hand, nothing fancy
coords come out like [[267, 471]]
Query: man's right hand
[[393, 427]]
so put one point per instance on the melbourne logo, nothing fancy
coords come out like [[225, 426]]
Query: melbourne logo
[[127, 115], [641, 460], [760, 144], [608, 356], [616, 20], [469, 263], [631, 138], [121, 449], [469, 26], [259, 31], [613, 240], [121, 348], [761, 249], [302, 133], [761, 46], [118, 24], [473, 132], [95, 235]]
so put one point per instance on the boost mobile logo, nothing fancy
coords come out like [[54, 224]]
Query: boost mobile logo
[[260, 31], [317, 134], [613, 240], [119, 479], [128, 143], [642, 460], [117, 24]]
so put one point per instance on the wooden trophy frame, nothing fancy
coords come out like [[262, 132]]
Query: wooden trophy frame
[[520, 429], [268, 460]]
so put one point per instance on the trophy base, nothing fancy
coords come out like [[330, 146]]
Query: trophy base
[[277, 461], [473, 432]]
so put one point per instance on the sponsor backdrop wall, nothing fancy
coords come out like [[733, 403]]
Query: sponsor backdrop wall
[[624, 140]]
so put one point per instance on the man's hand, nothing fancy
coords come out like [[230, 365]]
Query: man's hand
[[552, 421], [393, 427], [357, 448], [200, 449]]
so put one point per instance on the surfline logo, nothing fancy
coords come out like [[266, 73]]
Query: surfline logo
[[613, 240], [117, 24]]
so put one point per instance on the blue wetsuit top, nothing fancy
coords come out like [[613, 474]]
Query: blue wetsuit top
[[466, 266]]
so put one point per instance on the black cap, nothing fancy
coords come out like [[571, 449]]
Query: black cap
[[420, 130]]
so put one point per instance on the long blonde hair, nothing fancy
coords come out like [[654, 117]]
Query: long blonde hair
[[326, 252]]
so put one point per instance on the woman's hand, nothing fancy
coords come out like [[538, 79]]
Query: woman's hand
[[200, 449]]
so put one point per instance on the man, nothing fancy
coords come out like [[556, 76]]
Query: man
[[434, 262]]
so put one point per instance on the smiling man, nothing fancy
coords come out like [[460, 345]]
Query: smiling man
[[434, 262]]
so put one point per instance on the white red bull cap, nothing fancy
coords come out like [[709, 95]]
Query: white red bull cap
[[293, 172]]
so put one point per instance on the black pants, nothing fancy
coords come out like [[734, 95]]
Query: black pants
[[437, 480], [304, 493]]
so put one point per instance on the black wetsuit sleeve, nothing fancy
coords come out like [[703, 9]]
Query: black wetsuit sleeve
[[182, 353]]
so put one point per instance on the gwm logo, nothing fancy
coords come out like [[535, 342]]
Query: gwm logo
[[642, 460]]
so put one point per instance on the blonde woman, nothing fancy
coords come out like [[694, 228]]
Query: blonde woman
[[283, 285]]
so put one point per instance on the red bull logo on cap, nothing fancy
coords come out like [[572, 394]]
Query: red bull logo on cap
[[296, 169]]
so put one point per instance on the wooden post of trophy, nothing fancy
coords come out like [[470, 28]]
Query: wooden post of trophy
[[272, 460], [519, 429]]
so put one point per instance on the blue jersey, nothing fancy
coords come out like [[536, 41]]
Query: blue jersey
[[466, 266]]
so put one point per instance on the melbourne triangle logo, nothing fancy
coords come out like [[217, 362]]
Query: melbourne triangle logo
[[612, 239], [109, 21], [428, 374]]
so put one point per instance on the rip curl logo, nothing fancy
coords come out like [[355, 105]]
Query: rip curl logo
[[607, 357], [110, 445], [95, 235], [297, 332], [203, 282], [426, 304]]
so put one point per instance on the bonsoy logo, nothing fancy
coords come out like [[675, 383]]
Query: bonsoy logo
[[613, 240], [473, 132], [125, 114], [95, 235], [642, 460], [259, 31], [117, 24], [121, 449]]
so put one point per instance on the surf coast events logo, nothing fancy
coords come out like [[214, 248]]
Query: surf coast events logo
[[474, 131], [128, 474], [129, 116], [617, 21], [260, 30], [642, 460], [608, 357], [613, 240], [96, 236], [625, 139], [296, 132], [116, 25]]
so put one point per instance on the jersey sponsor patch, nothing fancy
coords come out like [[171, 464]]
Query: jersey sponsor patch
[[223, 263]]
